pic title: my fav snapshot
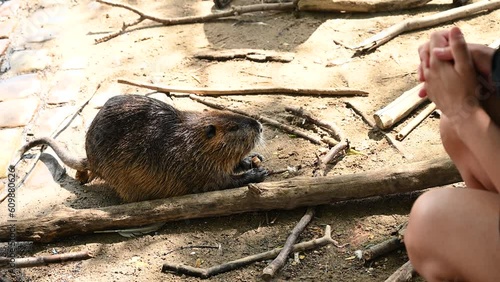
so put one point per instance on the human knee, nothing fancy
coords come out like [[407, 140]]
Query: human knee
[[428, 215]]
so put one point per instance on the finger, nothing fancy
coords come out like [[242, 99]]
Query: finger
[[422, 93], [421, 76], [443, 53], [438, 40], [423, 52], [460, 52]]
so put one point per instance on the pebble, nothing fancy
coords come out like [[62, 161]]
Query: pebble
[[29, 61], [9, 8], [19, 86], [10, 139], [17, 112]]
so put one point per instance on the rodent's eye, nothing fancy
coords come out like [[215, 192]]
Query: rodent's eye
[[234, 128], [210, 131]]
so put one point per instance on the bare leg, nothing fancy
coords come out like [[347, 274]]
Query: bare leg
[[453, 235], [471, 171]]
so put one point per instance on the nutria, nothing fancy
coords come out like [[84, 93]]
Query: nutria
[[146, 149]]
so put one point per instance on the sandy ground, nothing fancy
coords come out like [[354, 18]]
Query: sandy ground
[[163, 55]]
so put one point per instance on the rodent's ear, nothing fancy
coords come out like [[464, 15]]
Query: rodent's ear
[[210, 131]]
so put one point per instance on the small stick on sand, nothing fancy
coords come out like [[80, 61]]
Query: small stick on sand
[[382, 248], [399, 108], [331, 128], [280, 260], [250, 91], [389, 139], [416, 121], [334, 152], [214, 270], [5, 262], [404, 274]]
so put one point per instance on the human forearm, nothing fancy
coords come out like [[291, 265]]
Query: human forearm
[[482, 137]]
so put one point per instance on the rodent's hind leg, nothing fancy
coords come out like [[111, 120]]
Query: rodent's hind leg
[[253, 175], [251, 161], [84, 176]]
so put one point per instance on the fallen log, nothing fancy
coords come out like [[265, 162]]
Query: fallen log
[[359, 6], [287, 194]]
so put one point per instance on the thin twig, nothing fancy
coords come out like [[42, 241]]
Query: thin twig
[[250, 91], [334, 152], [331, 128], [5, 262], [404, 274], [234, 11], [275, 123], [280, 260], [283, 170], [382, 248], [214, 270], [381, 38], [371, 123], [416, 121]]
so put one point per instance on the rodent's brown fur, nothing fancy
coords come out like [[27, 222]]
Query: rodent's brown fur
[[146, 149]]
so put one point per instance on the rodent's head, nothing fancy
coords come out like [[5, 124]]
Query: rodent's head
[[227, 137]]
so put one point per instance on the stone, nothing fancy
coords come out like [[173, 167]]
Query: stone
[[4, 44], [9, 9], [7, 27], [20, 86], [49, 120], [11, 139], [17, 112], [66, 88], [29, 61]]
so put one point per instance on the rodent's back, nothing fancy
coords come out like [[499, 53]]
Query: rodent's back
[[147, 149]]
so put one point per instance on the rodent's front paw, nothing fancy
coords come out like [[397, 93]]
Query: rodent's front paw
[[251, 161], [258, 174]]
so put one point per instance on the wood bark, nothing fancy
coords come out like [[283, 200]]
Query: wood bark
[[44, 260], [404, 274], [416, 121], [399, 108], [285, 195], [250, 91], [255, 55], [359, 5], [280, 260]]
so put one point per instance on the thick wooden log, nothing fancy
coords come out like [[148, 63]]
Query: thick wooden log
[[359, 5], [287, 194]]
